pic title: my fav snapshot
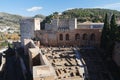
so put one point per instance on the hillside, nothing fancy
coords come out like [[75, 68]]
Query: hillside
[[7, 19], [83, 15], [12, 20]]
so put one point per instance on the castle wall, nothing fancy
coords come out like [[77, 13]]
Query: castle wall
[[52, 38], [48, 26], [27, 28], [54, 24], [61, 24], [73, 24], [38, 63], [65, 27], [37, 23]]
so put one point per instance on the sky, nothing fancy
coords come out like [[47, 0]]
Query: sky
[[47, 7]]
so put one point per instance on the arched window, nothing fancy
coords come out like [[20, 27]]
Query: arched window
[[67, 36], [92, 36], [61, 37], [77, 37], [85, 36]]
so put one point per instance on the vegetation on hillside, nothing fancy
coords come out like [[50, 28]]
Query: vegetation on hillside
[[9, 19], [39, 16], [83, 15], [12, 20], [93, 15]]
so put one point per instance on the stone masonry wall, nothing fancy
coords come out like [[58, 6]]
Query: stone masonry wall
[[52, 38]]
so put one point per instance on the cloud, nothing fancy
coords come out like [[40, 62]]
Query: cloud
[[33, 9], [115, 6]]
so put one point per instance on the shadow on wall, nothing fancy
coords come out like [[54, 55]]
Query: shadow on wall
[[36, 60]]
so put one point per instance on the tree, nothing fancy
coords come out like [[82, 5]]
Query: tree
[[112, 35], [105, 33], [118, 34], [113, 28]]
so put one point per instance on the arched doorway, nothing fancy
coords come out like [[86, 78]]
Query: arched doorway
[[85, 39], [77, 37], [61, 37], [85, 36], [92, 37], [67, 37]]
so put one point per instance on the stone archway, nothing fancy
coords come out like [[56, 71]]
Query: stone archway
[[77, 37], [85, 39], [85, 36], [92, 37], [67, 37], [61, 37]]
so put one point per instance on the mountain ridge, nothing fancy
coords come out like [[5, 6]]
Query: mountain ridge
[[12, 20], [82, 15]]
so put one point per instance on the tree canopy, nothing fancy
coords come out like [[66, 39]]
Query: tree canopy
[[82, 15]]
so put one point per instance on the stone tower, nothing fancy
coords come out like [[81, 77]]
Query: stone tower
[[27, 28]]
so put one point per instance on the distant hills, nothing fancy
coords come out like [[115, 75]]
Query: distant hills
[[12, 20], [7, 19], [83, 15]]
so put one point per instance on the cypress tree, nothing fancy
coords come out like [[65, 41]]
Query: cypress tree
[[110, 33], [118, 34], [105, 33], [113, 28], [113, 35]]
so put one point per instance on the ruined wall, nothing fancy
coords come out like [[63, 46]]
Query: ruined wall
[[27, 28], [61, 24], [79, 41], [52, 26], [52, 38], [73, 24], [48, 26], [46, 37], [37, 24], [38, 63]]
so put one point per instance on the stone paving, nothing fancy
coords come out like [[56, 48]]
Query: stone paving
[[70, 63], [64, 62]]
